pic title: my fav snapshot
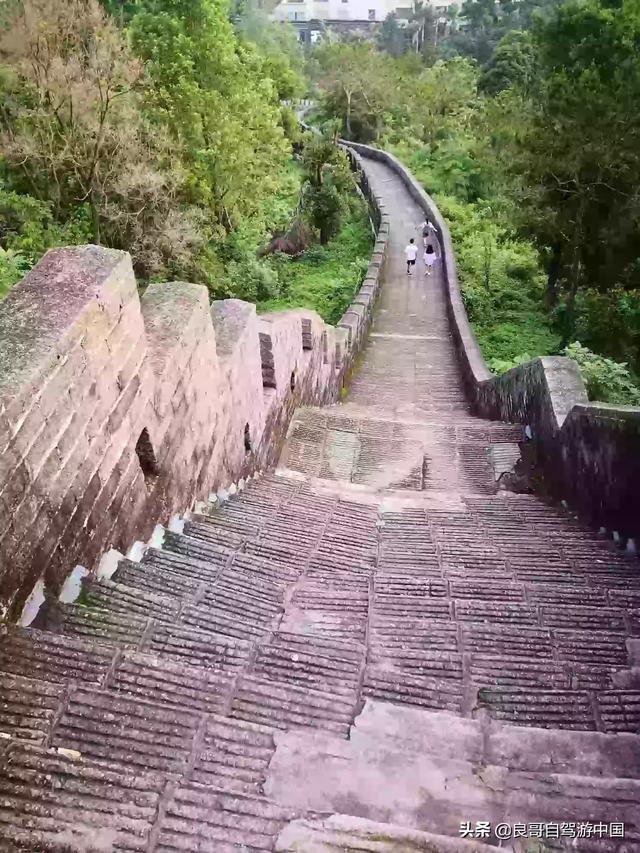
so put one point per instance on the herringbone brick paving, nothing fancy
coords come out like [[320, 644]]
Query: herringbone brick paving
[[379, 586]]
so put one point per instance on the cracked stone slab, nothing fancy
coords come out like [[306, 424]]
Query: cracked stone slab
[[396, 767], [344, 833], [430, 771]]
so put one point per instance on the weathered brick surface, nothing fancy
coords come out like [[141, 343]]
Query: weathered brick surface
[[66, 330], [86, 366]]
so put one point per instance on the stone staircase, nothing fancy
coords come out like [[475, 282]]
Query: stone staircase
[[417, 666], [371, 648]]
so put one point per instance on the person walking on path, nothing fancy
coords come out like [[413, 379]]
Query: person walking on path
[[411, 253], [430, 258], [428, 230]]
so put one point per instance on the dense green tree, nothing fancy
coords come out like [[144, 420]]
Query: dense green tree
[[218, 101], [328, 179], [359, 86], [443, 99], [280, 48], [151, 125], [73, 135], [392, 37], [580, 157], [513, 64], [121, 10], [480, 31], [483, 23]]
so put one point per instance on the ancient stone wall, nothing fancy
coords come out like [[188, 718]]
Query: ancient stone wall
[[589, 453], [117, 412]]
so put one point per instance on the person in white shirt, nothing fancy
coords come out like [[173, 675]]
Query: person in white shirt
[[411, 253], [428, 229], [430, 258]]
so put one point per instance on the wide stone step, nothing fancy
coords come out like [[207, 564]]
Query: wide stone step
[[27, 708], [433, 771], [609, 710], [391, 455], [220, 527], [108, 727], [236, 581], [161, 579], [128, 600], [311, 662], [288, 706], [99, 625], [179, 642], [204, 541], [51, 657], [171, 558], [231, 603]]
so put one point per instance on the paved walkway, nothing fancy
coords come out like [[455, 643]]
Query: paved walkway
[[410, 366], [361, 651]]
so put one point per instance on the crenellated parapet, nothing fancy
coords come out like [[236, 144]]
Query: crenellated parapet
[[118, 411]]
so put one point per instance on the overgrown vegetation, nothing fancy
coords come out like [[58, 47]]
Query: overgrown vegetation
[[524, 127], [606, 380], [325, 278], [157, 127], [503, 286], [322, 277]]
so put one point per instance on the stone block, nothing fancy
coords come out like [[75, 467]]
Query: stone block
[[373, 270], [71, 293], [268, 361], [307, 334], [370, 284], [365, 299], [230, 319], [241, 394], [349, 324], [358, 312]]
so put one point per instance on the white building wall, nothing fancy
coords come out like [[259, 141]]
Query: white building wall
[[333, 10], [342, 10]]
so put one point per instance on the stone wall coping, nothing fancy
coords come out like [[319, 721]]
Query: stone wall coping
[[628, 414], [166, 309], [230, 317], [70, 280]]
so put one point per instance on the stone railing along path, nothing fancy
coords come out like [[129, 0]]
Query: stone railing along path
[[359, 651]]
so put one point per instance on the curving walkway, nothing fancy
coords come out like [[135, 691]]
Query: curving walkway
[[361, 651], [410, 364]]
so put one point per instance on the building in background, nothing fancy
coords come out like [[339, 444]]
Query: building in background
[[333, 11], [311, 17]]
